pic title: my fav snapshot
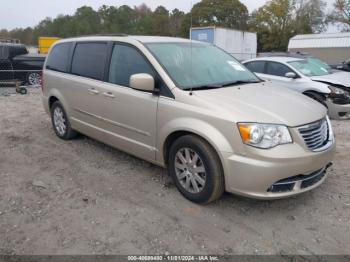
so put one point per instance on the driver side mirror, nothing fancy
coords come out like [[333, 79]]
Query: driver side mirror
[[291, 75], [143, 82]]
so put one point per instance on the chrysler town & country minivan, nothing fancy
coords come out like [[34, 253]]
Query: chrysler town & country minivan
[[192, 108]]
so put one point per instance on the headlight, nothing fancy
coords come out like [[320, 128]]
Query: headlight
[[264, 135], [336, 90]]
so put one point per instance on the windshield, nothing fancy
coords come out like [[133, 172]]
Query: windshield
[[200, 65], [311, 67]]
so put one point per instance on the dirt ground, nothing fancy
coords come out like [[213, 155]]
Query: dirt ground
[[83, 197]]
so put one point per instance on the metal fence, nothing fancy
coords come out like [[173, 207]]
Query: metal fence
[[13, 78]]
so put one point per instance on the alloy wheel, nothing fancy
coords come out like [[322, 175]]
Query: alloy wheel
[[190, 170], [59, 121], [34, 79]]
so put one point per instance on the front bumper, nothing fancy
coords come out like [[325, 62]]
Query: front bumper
[[338, 112], [255, 175]]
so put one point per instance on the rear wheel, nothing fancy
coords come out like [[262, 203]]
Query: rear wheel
[[196, 169], [60, 122]]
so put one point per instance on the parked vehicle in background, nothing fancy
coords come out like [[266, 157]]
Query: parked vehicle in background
[[193, 108], [45, 43], [16, 64], [345, 66], [309, 76]]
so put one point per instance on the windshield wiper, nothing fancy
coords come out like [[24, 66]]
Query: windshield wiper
[[203, 87], [216, 86], [240, 82]]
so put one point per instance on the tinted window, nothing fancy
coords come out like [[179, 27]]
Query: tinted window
[[277, 69], [256, 67], [59, 57], [89, 60], [125, 62]]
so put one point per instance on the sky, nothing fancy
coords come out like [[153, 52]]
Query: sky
[[24, 13]]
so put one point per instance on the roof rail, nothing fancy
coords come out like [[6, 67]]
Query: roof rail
[[109, 34], [297, 54]]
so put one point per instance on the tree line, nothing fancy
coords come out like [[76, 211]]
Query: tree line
[[275, 22]]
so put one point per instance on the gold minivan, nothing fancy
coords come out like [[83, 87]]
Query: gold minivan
[[192, 108]]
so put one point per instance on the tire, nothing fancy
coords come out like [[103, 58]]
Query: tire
[[34, 79], [23, 91], [60, 122], [185, 175], [317, 97]]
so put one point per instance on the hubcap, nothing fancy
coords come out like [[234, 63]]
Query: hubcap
[[59, 121], [34, 79], [190, 170]]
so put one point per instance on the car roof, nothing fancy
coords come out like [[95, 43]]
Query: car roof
[[281, 59], [123, 37]]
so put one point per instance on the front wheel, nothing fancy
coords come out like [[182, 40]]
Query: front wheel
[[60, 122], [196, 169]]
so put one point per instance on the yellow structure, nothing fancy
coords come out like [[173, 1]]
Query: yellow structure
[[45, 43]]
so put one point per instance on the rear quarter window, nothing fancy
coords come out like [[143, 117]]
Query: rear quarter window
[[58, 58], [89, 60]]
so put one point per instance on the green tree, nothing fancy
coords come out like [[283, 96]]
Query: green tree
[[86, 21], [160, 23], [310, 16], [279, 20], [143, 22], [176, 19], [341, 14], [225, 13], [273, 23]]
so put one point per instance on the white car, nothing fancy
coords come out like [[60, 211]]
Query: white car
[[309, 76]]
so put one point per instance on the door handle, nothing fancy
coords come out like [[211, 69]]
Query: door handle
[[93, 91], [109, 94]]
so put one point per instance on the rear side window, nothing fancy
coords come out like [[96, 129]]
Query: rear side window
[[277, 69], [256, 67], [125, 62], [89, 60], [59, 57]]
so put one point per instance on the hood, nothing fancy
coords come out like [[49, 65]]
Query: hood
[[337, 78], [264, 103]]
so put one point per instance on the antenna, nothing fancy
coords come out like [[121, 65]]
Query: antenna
[[191, 73]]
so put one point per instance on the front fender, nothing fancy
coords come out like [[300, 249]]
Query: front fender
[[198, 127], [318, 87]]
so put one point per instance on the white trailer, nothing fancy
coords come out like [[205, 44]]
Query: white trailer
[[242, 45]]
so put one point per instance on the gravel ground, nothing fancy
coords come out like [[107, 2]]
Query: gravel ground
[[83, 197]]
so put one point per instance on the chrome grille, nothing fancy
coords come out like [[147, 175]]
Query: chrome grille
[[315, 135]]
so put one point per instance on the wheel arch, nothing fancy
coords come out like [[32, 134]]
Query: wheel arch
[[317, 96], [55, 95], [204, 131], [52, 99]]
